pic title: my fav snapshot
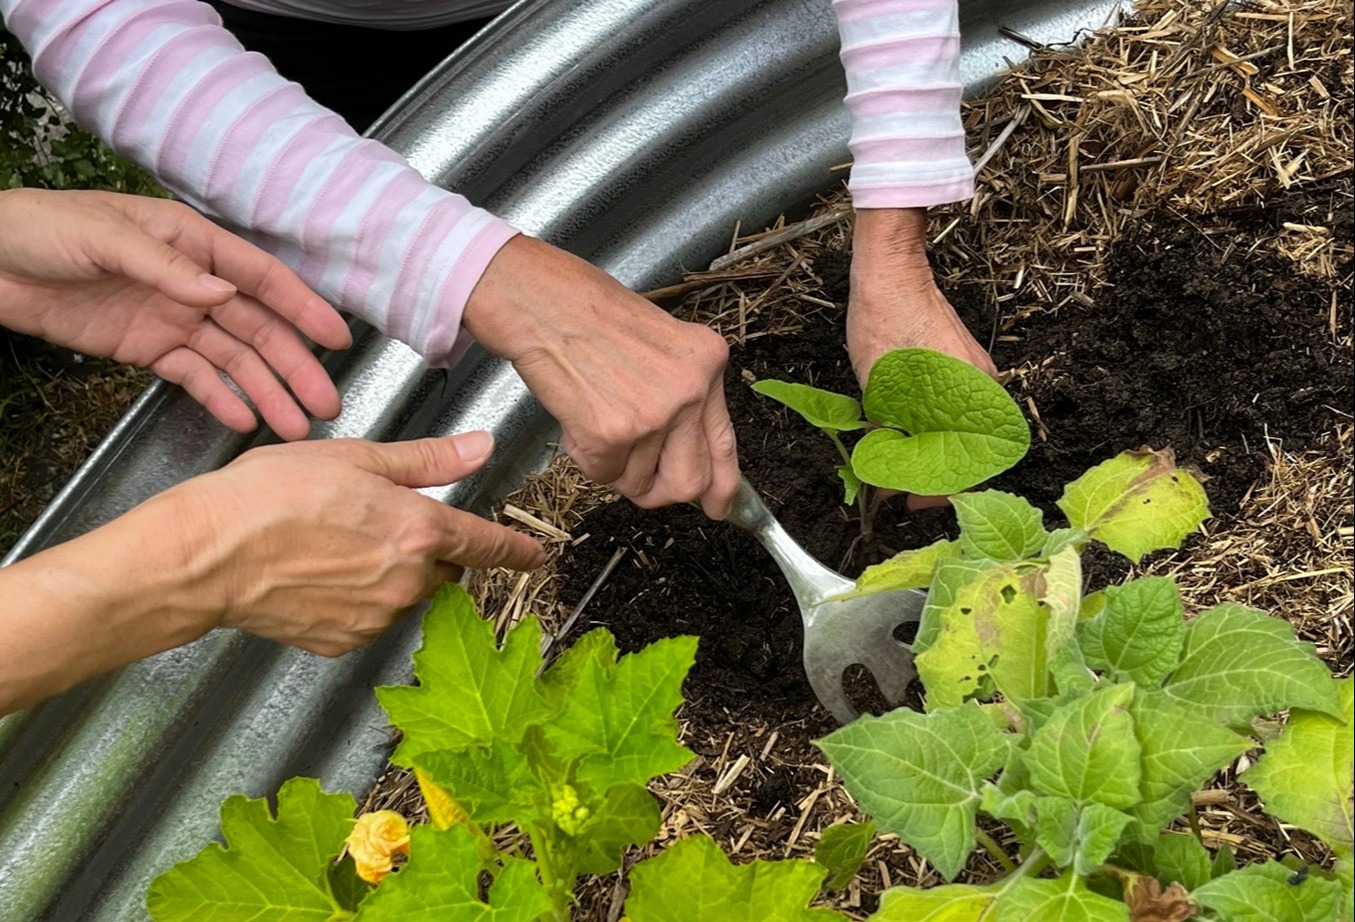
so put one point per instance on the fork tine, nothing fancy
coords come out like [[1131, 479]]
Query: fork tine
[[827, 686]]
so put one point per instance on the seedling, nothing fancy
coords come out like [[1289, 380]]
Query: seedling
[[937, 426]]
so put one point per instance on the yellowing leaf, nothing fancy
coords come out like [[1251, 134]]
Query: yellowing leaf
[[1138, 501], [950, 903], [443, 809]]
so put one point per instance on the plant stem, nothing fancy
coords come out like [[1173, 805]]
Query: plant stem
[[863, 504], [991, 846], [559, 890]]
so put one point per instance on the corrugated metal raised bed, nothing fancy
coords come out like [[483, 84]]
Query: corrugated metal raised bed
[[634, 133]]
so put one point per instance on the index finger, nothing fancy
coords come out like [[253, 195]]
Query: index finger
[[471, 541]]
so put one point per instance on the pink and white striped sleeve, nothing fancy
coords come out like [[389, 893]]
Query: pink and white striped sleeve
[[902, 59], [169, 88]]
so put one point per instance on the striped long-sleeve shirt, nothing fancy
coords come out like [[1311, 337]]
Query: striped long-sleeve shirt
[[168, 87]]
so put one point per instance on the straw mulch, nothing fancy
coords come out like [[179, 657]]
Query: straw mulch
[[1203, 111]]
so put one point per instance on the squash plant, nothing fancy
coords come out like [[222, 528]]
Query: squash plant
[[1081, 721]]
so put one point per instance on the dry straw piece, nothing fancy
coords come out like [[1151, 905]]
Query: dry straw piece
[[1186, 110]]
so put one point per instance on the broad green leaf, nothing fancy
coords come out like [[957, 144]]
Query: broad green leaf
[[959, 426], [1182, 859], [995, 627], [1225, 862], [911, 569], [627, 815], [598, 645], [1307, 776], [1237, 663], [1263, 893], [949, 903], [1077, 836], [823, 409], [1087, 752], [1066, 899], [842, 849], [1137, 502], [269, 868], [1181, 749], [618, 719], [693, 881], [998, 525], [441, 881], [921, 776], [952, 575], [1139, 634], [469, 690], [851, 484]]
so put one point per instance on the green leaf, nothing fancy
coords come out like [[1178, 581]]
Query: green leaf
[[851, 484], [1093, 603], [1077, 835], [912, 569], [269, 868], [1087, 752], [469, 690], [1139, 634], [1307, 776], [1182, 859], [1063, 538], [598, 646], [441, 881], [823, 409], [693, 881], [1137, 502], [998, 525], [959, 426], [1263, 893], [949, 903], [1237, 663], [995, 626], [842, 850], [1181, 748], [493, 784], [921, 776], [951, 577], [1066, 899], [618, 718], [1225, 862], [1345, 876]]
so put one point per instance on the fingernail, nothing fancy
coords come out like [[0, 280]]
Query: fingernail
[[473, 447], [212, 283]]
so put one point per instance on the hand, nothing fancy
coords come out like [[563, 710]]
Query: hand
[[639, 394], [895, 303], [322, 545], [131, 278]]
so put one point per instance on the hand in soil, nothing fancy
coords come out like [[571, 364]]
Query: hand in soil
[[131, 278], [894, 302], [639, 395]]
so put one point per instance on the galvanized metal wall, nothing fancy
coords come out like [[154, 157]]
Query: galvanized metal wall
[[632, 132]]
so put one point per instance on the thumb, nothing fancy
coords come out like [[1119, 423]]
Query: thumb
[[430, 462], [156, 264]]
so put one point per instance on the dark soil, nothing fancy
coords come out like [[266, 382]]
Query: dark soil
[[1200, 346]]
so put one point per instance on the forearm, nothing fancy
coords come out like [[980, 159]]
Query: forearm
[[902, 61], [171, 89], [105, 599]]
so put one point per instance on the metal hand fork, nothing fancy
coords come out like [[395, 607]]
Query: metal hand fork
[[839, 633]]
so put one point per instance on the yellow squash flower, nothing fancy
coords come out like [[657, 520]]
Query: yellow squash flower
[[375, 841]]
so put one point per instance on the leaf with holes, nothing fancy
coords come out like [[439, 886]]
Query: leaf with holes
[[1137, 502]]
